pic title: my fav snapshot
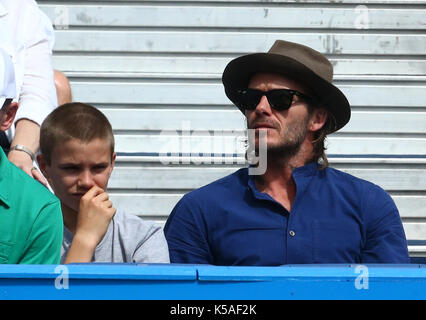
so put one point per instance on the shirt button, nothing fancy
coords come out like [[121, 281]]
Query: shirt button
[[292, 233]]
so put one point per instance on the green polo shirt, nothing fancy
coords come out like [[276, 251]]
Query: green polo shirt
[[31, 226]]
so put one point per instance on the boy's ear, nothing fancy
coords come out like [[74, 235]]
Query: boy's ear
[[113, 157], [42, 164], [8, 115]]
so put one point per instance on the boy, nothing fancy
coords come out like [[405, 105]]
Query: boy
[[77, 157], [30, 215]]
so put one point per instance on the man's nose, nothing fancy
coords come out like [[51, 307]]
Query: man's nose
[[263, 106]]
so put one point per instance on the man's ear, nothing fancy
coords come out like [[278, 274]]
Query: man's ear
[[9, 114], [318, 119]]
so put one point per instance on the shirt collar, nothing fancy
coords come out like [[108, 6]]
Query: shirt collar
[[307, 170], [4, 179]]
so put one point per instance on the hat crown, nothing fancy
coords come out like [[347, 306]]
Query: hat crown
[[7, 78], [312, 59], [295, 61]]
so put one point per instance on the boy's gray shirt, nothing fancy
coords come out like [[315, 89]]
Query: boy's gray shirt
[[128, 239]]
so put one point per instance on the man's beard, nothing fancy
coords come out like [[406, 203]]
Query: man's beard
[[290, 141]]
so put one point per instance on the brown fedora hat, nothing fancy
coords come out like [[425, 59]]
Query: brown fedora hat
[[298, 62]]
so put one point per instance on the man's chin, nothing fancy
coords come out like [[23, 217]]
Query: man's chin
[[282, 151], [274, 148]]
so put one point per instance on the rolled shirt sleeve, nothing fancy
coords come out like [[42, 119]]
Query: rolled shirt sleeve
[[27, 36], [37, 96]]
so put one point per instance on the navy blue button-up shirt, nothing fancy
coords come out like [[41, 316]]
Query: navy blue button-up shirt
[[335, 218]]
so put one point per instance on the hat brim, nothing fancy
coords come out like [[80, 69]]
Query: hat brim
[[239, 71]]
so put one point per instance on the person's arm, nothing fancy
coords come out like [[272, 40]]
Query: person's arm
[[44, 242], [385, 239], [37, 95], [153, 248], [27, 134], [186, 240], [95, 214]]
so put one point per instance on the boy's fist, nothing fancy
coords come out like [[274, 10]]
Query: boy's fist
[[94, 216]]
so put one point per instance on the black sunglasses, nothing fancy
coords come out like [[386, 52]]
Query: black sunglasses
[[279, 99]]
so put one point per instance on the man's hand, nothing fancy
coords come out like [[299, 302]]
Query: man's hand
[[27, 134], [94, 216], [24, 162]]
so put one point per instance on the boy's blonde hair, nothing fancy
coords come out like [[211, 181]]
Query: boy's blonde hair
[[74, 121]]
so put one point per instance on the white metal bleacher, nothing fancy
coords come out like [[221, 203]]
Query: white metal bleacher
[[154, 68]]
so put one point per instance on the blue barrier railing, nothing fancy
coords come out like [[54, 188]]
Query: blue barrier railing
[[203, 282]]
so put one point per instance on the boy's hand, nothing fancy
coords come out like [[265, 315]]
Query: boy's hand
[[94, 216]]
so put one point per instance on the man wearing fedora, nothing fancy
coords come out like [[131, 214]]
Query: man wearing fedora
[[299, 210]]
